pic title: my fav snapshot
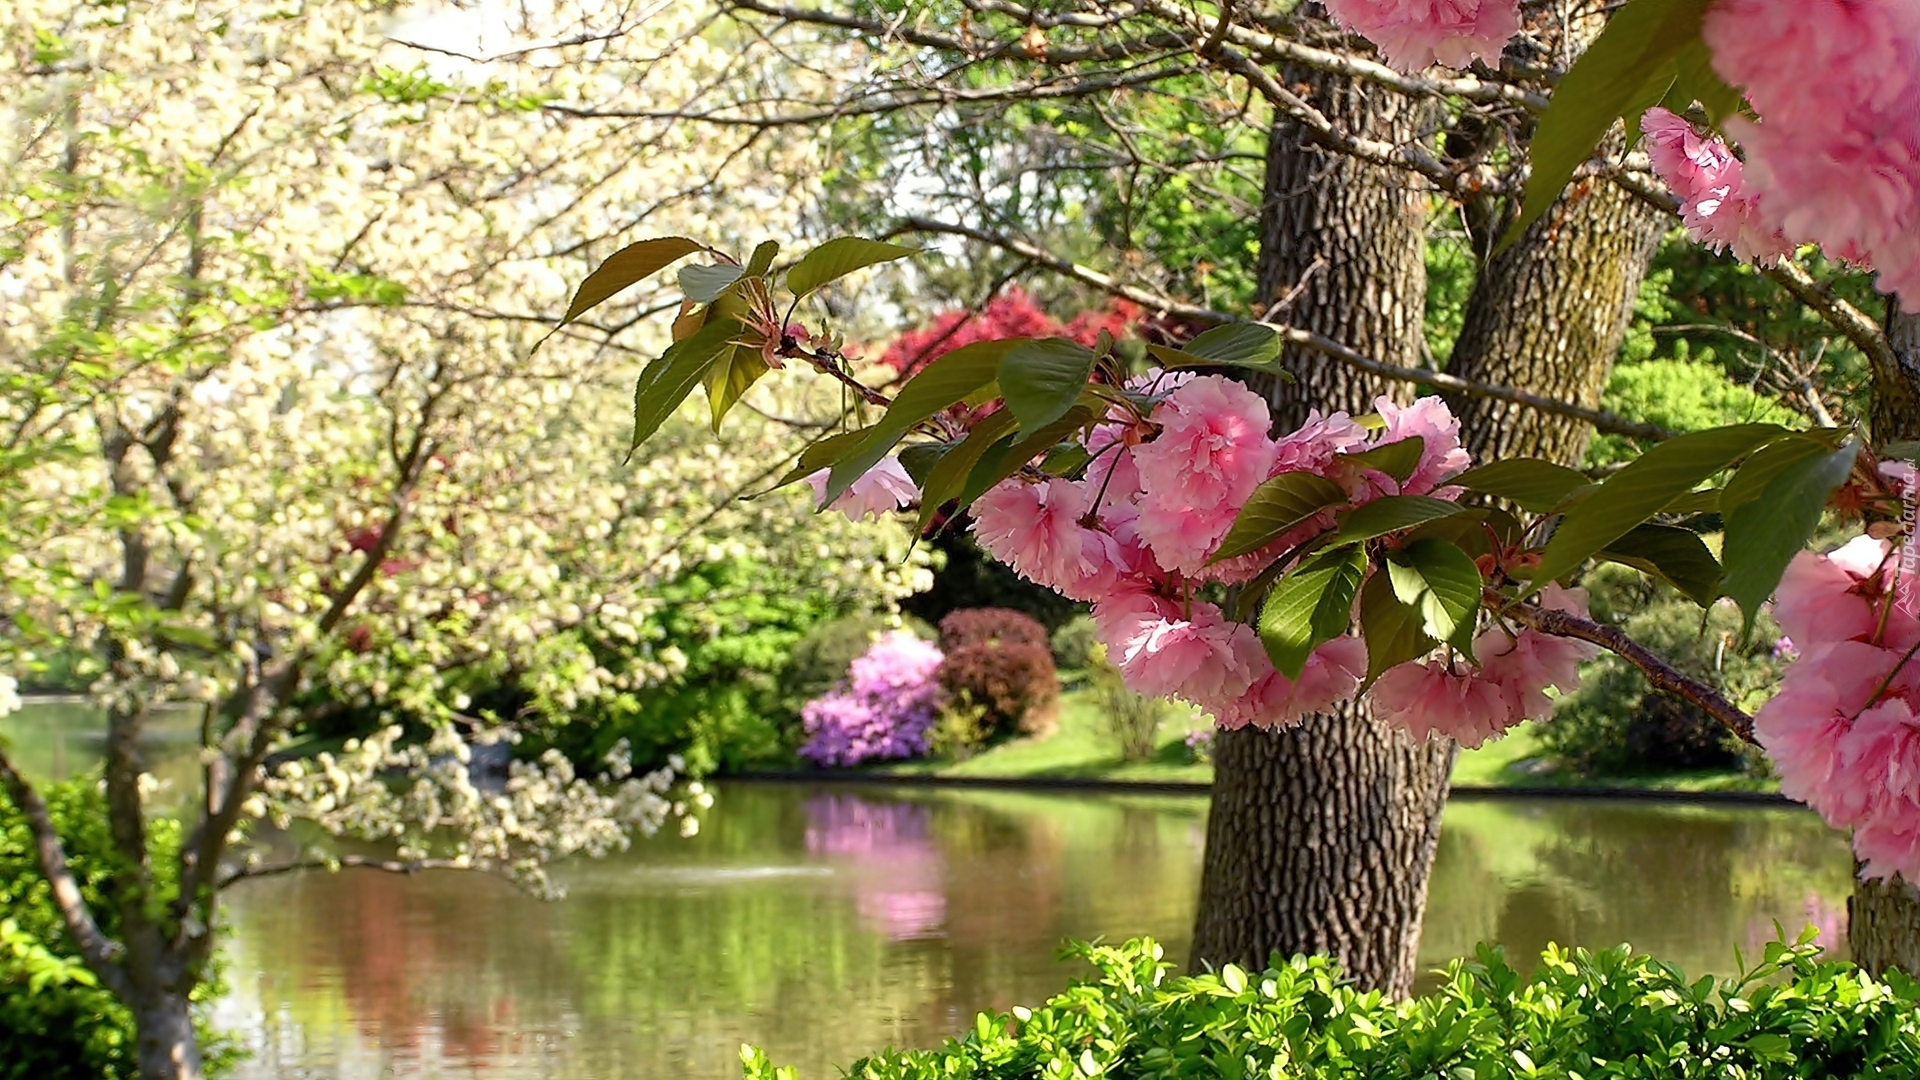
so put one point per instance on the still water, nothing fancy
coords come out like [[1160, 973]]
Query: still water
[[823, 921]]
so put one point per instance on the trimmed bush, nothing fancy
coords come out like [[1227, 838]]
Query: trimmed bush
[[1016, 683], [1615, 1013], [1000, 659], [991, 626]]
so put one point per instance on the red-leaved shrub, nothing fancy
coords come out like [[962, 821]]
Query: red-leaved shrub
[[1000, 659]]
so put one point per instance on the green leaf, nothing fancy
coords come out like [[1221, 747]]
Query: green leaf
[[1764, 533], [1065, 459], [667, 381], [1276, 506], [1309, 606], [1529, 483], [836, 259], [1674, 555], [949, 476], [994, 468], [1041, 380], [1632, 61], [762, 259], [1392, 629], [704, 284], [1237, 344], [626, 266], [822, 453], [1251, 346], [920, 458], [729, 379], [1637, 492], [939, 385], [1695, 80], [1751, 479], [1397, 459], [1393, 513], [1443, 584], [1704, 501]]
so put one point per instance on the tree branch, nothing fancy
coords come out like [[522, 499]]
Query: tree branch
[[1664, 676], [341, 862], [1600, 419], [100, 953]]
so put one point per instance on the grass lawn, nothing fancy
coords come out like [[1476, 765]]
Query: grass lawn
[[1080, 749]]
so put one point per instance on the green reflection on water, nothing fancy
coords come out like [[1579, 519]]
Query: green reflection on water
[[826, 921]]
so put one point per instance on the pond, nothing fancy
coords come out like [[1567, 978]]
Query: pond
[[822, 921]]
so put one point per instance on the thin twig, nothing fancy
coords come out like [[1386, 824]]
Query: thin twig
[[1664, 676]]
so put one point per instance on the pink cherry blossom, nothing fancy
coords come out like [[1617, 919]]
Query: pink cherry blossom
[[1040, 530], [1313, 446], [1815, 603], [1835, 154], [1706, 177], [1213, 443], [1805, 725], [1842, 596], [1430, 698], [1212, 451], [1431, 420], [1163, 651], [1414, 34], [1274, 702], [879, 491]]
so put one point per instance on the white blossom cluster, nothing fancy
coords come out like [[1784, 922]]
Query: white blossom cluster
[[424, 800], [270, 286]]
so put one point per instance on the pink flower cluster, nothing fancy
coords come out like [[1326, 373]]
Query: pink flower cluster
[[1138, 532], [1472, 705], [1707, 178], [877, 492], [1835, 155], [1844, 729], [1415, 34], [882, 711]]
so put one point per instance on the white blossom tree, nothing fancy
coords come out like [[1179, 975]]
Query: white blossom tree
[[272, 421]]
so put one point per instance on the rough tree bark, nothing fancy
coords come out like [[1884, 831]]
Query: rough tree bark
[[1320, 839], [1548, 315], [1883, 917]]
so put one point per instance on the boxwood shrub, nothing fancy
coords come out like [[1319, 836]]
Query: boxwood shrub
[[1580, 1016]]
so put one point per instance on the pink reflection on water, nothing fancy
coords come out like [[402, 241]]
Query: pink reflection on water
[[896, 866], [1829, 920]]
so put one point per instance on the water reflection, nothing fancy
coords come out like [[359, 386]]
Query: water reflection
[[822, 922]]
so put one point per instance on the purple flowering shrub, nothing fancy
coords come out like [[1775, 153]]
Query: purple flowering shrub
[[882, 711]]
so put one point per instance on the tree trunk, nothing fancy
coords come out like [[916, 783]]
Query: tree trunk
[[1547, 315], [1320, 839], [166, 1044], [1883, 917]]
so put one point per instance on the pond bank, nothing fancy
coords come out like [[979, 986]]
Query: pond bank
[[1201, 787]]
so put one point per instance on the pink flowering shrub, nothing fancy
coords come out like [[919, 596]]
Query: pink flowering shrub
[[1844, 730], [1415, 34], [884, 709]]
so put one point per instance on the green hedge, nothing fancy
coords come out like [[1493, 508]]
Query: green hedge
[[1581, 1016]]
